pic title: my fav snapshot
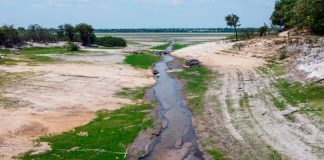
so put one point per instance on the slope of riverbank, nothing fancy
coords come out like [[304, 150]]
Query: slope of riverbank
[[245, 113]]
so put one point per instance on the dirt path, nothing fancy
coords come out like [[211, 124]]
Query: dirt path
[[247, 111], [59, 97]]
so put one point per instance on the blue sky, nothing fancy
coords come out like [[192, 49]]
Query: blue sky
[[134, 13]]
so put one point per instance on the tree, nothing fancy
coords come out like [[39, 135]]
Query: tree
[[69, 31], [60, 32], [263, 30], [86, 33], [284, 14], [9, 36], [111, 41], [232, 21], [310, 15]]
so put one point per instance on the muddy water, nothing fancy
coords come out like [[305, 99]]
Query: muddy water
[[178, 139]]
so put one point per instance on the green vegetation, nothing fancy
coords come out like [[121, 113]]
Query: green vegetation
[[107, 136], [196, 81], [303, 14], [278, 103], [216, 154], [72, 47], [11, 37], [111, 41], [244, 101], [232, 21], [275, 155], [86, 34], [143, 61], [274, 67], [37, 54], [296, 93], [263, 30], [161, 47], [132, 93], [179, 46]]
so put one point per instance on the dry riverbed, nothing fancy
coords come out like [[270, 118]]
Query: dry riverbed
[[50, 98]]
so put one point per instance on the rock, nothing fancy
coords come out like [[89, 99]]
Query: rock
[[179, 144]]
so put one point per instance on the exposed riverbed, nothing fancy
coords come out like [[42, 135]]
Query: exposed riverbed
[[178, 139]]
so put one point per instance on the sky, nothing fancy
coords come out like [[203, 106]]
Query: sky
[[135, 13]]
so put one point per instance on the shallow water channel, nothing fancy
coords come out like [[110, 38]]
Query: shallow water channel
[[178, 139]]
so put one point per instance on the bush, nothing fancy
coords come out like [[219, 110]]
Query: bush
[[111, 41], [72, 47]]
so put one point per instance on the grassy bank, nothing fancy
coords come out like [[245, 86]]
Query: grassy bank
[[309, 96], [179, 46], [30, 55], [143, 61], [196, 81], [106, 137], [43, 50], [161, 47]]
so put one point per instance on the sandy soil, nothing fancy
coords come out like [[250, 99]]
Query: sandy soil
[[58, 97], [257, 125]]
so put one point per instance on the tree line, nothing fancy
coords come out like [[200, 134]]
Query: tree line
[[84, 33]]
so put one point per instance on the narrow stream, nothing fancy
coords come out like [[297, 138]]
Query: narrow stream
[[178, 139]]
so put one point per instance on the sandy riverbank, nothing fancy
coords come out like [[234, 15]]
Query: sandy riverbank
[[239, 114]]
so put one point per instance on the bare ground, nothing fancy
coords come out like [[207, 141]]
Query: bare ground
[[240, 118], [58, 97]]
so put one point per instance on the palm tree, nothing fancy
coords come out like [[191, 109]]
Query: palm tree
[[232, 21]]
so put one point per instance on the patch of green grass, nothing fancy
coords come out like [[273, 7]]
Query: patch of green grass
[[5, 51], [161, 47], [274, 67], [179, 46], [278, 103], [107, 136], [143, 61], [311, 95], [274, 154], [37, 58], [277, 68], [291, 117], [45, 50], [217, 155], [244, 101], [132, 93], [196, 81]]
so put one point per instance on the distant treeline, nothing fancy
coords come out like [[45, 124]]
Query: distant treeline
[[84, 33], [175, 30]]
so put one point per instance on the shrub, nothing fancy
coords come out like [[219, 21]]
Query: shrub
[[111, 41], [72, 47]]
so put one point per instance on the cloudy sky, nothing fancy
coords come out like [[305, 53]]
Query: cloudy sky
[[134, 13]]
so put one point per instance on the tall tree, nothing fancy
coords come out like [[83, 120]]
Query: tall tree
[[232, 21], [69, 32], [284, 14], [310, 15], [85, 32]]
